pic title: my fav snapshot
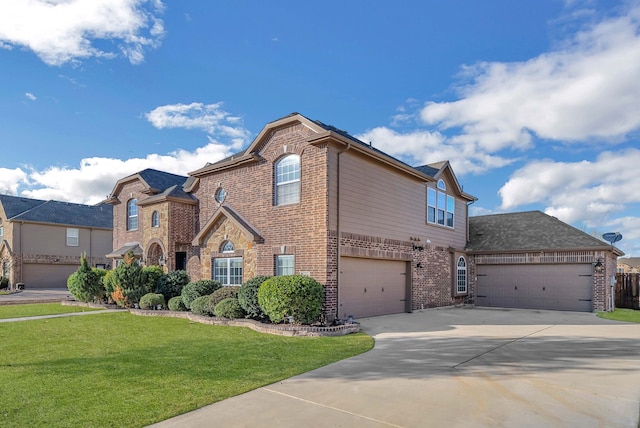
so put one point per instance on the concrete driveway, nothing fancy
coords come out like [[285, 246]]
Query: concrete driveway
[[464, 367]]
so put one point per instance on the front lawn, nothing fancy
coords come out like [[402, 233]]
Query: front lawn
[[117, 369], [36, 309], [628, 315]]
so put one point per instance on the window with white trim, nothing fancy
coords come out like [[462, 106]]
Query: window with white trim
[[287, 180], [227, 247], [285, 265], [220, 195], [228, 270], [155, 219], [132, 214], [73, 237], [441, 207], [461, 286], [1, 232]]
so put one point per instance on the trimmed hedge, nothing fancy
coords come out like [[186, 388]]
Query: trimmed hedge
[[176, 304], [171, 284], [229, 308], [195, 289], [219, 295], [248, 297], [291, 295], [151, 301], [199, 306]]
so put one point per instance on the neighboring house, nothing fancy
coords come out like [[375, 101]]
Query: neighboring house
[[533, 260], [41, 242], [306, 198], [629, 265]]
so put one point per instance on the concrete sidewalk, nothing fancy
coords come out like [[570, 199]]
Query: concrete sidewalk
[[470, 367], [35, 296]]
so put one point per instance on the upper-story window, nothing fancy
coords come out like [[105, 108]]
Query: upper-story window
[[132, 214], [287, 188], [73, 237], [441, 207], [227, 247], [220, 195], [155, 219]]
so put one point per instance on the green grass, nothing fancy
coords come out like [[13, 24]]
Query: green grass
[[117, 369], [36, 309], [628, 315]]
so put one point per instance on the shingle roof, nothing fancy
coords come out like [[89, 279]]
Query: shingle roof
[[56, 212], [634, 262], [161, 180], [525, 231], [428, 170]]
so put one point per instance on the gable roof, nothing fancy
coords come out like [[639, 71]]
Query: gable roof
[[174, 192], [154, 182], [633, 262], [438, 170], [56, 212], [528, 231], [229, 213]]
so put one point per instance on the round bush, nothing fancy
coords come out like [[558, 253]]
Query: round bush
[[199, 306], [291, 295], [172, 283], [176, 304], [219, 295], [248, 297], [151, 301], [229, 308], [195, 289]]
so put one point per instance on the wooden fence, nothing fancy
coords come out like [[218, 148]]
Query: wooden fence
[[627, 292]]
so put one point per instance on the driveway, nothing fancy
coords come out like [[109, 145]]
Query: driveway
[[465, 367]]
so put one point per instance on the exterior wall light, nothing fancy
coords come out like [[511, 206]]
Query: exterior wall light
[[598, 267]]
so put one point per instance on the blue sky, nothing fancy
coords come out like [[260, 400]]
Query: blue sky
[[535, 103]]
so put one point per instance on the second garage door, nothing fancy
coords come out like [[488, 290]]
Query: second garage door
[[370, 287], [47, 276], [560, 287]]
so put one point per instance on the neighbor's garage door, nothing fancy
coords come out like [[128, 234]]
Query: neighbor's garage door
[[370, 287], [559, 287], [47, 276]]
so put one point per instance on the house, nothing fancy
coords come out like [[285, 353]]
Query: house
[[533, 260], [629, 265], [307, 198], [41, 242]]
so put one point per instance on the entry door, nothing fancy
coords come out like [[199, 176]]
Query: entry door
[[181, 260]]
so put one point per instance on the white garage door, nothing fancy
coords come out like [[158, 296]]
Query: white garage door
[[559, 287], [370, 287], [47, 276]]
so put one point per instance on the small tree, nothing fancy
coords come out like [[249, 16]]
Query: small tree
[[171, 284], [130, 281], [153, 275], [85, 284], [298, 296]]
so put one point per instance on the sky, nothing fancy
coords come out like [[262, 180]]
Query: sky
[[536, 103]]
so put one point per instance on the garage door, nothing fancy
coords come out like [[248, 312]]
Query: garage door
[[47, 276], [559, 287], [370, 287]]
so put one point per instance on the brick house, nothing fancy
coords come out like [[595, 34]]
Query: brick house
[[41, 242], [306, 198]]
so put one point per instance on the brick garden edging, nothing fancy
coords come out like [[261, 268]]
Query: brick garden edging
[[277, 329]]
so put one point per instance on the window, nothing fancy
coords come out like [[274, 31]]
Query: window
[[285, 265], [155, 219], [227, 247], [73, 236], [1, 232], [220, 195], [287, 189], [462, 276], [228, 270], [132, 214], [440, 207]]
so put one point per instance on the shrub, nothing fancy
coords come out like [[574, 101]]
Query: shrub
[[153, 275], [199, 306], [176, 304], [291, 295], [229, 308], [248, 297], [172, 283], [84, 284], [195, 289], [219, 295], [4, 282], [109, 282], [130, 279], [151, 301]]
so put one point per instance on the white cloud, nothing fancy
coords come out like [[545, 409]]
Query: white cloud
[[587, 89], [61, 31], [210, 118], [30, 96], [577, 191], [11, 180]]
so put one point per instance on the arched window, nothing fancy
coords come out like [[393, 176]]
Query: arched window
[[132, 214], [155, 219], [462, 276], [287, 180], [442, 185], [227, 247]]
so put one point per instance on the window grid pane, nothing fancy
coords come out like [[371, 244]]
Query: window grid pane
[[288, 193], [228, 270], [235, 271], [285, 265], [288, 180], [132, 214], [462, 276], [72, 237], [220, 270]]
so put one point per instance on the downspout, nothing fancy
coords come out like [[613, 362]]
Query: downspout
[[338, 231], [20, 253]]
